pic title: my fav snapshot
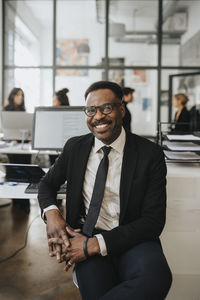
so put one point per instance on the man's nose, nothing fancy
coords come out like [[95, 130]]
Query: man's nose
[[99, 115]]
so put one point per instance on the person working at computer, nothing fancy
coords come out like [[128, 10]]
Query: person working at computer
[[182, 115], [127, 98], [15, 102], [60, 99], [116, 205]]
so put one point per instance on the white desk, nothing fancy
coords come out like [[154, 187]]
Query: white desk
[[17, 190], [183, 170], [25, 149], [7, 190], [181, 235]]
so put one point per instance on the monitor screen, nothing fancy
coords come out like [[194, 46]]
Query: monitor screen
[[53, 126], [16, 125]]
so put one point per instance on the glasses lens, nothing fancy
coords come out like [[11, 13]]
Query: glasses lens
[[90, 111], [106, 109]]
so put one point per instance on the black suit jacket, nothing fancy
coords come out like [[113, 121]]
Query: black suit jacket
[[184, 117], [142, 189]]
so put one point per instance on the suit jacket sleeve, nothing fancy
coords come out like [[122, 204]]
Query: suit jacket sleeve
[[51, 182], [149, 225]]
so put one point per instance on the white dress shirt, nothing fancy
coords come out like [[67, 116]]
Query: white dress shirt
[[110, 208]]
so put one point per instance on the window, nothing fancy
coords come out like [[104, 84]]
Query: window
[[53, 44]]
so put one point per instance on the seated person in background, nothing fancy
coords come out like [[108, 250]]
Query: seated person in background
[[15, 102], [182, 115], [116, 205], [128, 98], [60, 99]]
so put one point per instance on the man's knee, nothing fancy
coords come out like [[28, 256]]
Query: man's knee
[[146, 263]]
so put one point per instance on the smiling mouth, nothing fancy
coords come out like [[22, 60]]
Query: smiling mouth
[[101, 126]]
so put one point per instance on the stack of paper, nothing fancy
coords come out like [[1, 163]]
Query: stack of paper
[[181, 155], [183, 137]]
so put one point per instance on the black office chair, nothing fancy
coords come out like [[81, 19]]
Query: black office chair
[[195, 118]]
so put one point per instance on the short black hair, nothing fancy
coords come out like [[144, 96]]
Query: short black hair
[[114, 87], [128, 90]]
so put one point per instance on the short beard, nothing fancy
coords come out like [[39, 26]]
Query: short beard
[[115, 134]]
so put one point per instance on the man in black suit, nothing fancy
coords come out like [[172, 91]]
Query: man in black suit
[[116, 252]]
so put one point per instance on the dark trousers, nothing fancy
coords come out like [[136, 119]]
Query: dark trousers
[[141, 273]]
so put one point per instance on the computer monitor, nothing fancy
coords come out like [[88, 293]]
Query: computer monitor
[[16, 125], [53, 126]]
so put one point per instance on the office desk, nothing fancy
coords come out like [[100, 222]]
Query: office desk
[[183, 170], [10, 190], [24, 149], [181, 235]]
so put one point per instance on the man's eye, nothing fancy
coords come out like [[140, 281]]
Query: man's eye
[[107, 108], [90, 109]]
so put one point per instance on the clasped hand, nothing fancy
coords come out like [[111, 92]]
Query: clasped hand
[[68, 247], [65, 242]]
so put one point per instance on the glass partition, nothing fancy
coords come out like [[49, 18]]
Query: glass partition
[[133, 32], [28, 33], [80, 35], [181, 33], [36, 84], [77, 81], [144, 106], [181, 83]]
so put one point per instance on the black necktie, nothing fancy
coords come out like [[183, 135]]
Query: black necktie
[[98, 193]]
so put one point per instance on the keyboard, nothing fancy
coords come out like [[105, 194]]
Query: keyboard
[[33, 187]]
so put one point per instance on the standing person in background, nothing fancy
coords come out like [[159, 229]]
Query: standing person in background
[[15, 102], [60, 99], [182, 115], [128, 98]]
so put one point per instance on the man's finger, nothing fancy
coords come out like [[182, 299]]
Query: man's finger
[[77, 230], [53, 241], [65, 238], [51, 252], [70, 231], [58, 253], [69, 264]]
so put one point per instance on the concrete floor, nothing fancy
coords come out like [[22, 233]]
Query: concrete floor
[[31, 274]]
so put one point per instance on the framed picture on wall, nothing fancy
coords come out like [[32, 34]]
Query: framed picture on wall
[[72, 52], [139, 76]]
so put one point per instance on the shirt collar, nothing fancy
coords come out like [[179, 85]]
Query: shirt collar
[[117, 145]]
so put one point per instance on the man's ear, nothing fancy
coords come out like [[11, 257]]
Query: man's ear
[[122, 107]]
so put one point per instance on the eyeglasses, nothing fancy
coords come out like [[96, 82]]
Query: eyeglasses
[[105, 109]]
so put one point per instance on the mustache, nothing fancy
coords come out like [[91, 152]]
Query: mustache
[[96, 123]]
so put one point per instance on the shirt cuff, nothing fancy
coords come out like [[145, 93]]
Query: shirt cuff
[[102, 244], [48, 208]]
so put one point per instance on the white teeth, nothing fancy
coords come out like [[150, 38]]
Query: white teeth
[[101, 126]]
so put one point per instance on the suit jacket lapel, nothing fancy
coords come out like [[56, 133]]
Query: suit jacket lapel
[[128, 169], [82, 159]]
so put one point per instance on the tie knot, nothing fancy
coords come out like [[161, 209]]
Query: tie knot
[[106, 150]]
